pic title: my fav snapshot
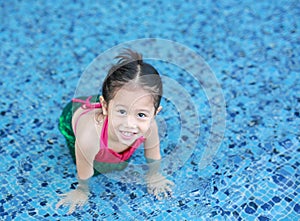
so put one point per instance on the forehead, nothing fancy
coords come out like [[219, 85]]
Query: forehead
[[133, 97]]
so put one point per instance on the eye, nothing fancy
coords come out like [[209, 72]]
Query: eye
[[142, 115], [122, 112]]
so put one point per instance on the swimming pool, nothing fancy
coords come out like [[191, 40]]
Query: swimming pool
[[252, 48]]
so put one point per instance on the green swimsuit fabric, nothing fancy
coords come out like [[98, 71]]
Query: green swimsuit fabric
[[65, 127]]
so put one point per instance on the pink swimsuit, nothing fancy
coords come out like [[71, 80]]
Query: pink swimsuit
[[106, 154]]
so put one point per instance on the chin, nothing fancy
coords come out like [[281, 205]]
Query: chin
[[129, 142]]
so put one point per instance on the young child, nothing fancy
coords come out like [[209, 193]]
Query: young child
[[103, 134]]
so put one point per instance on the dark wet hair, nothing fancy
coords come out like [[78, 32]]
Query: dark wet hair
[[131, 69]]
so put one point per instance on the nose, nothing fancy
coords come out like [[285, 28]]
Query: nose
[[131, 122]]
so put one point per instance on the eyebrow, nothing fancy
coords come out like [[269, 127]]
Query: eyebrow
[[120, 105], [144, 110], [139, 110]]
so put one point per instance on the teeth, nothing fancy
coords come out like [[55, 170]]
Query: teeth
[[127, 133]]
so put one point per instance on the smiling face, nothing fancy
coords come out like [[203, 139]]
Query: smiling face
[[130, 114]]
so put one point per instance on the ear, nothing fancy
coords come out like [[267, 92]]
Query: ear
[[104, 105], [158, 110]]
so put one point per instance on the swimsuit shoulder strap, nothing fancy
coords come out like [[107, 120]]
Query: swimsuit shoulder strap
[[104, 134], [86, 104]]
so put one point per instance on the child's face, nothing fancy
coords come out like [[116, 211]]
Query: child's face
[[130, 114]]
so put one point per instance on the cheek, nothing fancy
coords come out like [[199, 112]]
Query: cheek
[[144, 126], [116, 121], [114, 115]]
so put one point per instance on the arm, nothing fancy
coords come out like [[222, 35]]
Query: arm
[[84, 164], [157, 184], [152, 145], [84, 161]]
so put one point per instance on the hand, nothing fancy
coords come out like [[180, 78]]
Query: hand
[[75, 198], [159, 186]]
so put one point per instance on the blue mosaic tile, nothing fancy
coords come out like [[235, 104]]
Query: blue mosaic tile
[[253, 49]]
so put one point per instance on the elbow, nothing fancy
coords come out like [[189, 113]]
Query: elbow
[[84, 175]]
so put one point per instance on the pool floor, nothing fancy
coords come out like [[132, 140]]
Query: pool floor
[[253, 48]]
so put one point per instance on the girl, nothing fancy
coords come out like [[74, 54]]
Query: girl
[[103, 135]]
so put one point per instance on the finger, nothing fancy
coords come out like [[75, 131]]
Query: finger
[[169, 182], [156, 194], [81, 203], [158, 197], [60, 203], [150, 190], [72, 208], [62, 194], [168, 189], [166, 195]]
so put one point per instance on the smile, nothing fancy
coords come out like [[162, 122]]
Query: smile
[[127, 135]]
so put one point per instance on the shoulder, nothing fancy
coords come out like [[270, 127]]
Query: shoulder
[[87, 126], [152, 143], [83, 117], [152, 133]]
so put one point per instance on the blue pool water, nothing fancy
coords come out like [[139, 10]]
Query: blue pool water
[[253, 48]]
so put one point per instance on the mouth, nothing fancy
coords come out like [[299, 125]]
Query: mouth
[[126, 135]]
